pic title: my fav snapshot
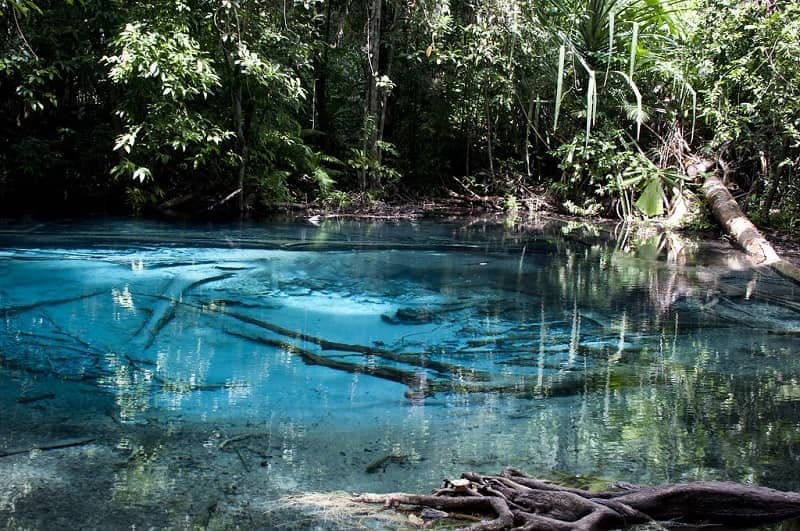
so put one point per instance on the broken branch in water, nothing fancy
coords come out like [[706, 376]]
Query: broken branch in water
[[380, 463], [35, 398], [175, 386], [157, 323]]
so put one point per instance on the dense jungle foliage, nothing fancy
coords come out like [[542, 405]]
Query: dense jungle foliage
[[241, 105]]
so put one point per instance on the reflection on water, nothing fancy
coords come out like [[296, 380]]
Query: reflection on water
[[216, 368]]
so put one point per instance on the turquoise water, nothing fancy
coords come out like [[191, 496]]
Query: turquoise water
[[195, 374]]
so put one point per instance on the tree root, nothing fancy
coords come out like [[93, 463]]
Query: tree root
[[514, 500]]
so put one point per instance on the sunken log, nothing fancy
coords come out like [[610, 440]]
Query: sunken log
[[514, 500]]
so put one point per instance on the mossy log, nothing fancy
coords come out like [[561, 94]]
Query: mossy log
[[514, 500]]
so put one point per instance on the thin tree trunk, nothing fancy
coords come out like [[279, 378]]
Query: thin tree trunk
[[322, 122], [489, 132], [389, 55], [467, 150], [775, 178], [468, 144], [237, 97], [776, 172], [528, 126], [241, 143], [372, 111]]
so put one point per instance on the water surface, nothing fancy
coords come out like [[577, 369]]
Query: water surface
[[195, 373]]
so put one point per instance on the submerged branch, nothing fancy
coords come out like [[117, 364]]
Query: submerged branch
[[417, 360], [159, 319], [173, 385], [567, 384], [309, 358], [55, 445], [166, 312], [29, 399], [10, 310]]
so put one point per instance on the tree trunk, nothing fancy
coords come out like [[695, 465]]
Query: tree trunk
[[241, 144], [775, 179], [775, 173], [489, 132], [384, 105], [727, 212], [320, 110], [237, 97], [514, 500], [372, 103], [528, 126]]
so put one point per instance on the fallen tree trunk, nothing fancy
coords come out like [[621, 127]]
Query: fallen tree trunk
[[728, 214], [514, 500]]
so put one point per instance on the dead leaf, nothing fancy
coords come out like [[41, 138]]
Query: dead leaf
[[416, 520]]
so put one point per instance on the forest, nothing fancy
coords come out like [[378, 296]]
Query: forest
[[238, 107]]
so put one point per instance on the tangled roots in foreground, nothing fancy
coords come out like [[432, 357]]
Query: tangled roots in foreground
[[514, 500]]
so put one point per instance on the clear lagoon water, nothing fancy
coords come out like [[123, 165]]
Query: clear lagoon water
[[176, 375]]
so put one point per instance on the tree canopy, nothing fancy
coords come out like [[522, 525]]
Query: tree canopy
[[241, 105]]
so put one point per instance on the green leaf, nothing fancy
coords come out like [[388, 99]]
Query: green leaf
[[650, 200], [141, 174], [559, 84], [634, 47]]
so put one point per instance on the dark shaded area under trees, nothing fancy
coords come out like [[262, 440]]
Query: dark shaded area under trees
[[220, 108]]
